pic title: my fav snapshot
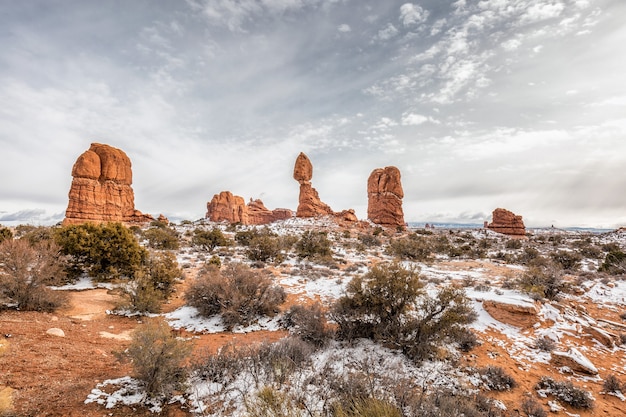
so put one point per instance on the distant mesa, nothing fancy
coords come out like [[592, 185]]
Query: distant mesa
[[101, 188], [226, 207], [309, 202], [507, 222], [384, 197]]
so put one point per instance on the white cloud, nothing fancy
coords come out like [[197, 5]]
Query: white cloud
[[413, 119], [344, 28], [412, 14], [387, 32], [511, 44], [543, 11]]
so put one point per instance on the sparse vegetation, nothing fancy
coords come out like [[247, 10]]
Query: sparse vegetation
[[209, 239], [565, 391], [5, 234], [543, 279], [158, 360], [496, 379], [308, 323], [160, 236], [314, 245], [413, 248], [26, 271], [236, 292], [532, 408]]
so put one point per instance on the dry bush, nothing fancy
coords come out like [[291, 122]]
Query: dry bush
[[543, 279], [367, 407], [5, 234], [238, 293], [445, 403], [532, 408], [308, 323], [26, 271], [496, 378], [545, 344], [612, 384], [314, 245], [158, 359], [565, 391], [270, 402], [413, 248]]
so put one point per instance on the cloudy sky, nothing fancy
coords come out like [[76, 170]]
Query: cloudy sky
[[480, 104]]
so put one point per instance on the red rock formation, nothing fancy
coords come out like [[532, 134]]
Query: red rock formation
[[231, 208], [101, 188], [507, 223], [309, 203], [227, 207], [259, 214], [384, 197], [519, 315]]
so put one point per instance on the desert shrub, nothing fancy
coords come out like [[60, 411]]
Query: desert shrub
[[5, 234], [215, 260], [413, 248], [313, 244], [513, 244], [103, 250], [565, 391], [162, 237], [152, 284], [466, 339], [528, 255], [26, 271], [158, 359], [569, 260], [532, 408], [612, 384], [387, 305], [614, 262], [238, 293], [445, 403], [263, 246], [209, 239], [34, 234], [367, 407], [308, 323], [543, 280], [269, 402], [496, 378], [369, 240], [545, 344]]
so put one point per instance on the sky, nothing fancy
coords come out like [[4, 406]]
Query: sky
[[480, 104]]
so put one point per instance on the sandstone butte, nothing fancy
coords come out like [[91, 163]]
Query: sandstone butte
[[384, 197], [101, 188], [309, 202], [232, 209], [506, 222]]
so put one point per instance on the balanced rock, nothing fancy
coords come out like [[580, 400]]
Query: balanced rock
[[101, 188], [309, 203], [384, 197], [506, 222], [232, 209]]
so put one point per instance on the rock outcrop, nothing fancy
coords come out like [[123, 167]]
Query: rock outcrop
[[518, 314], [574, 361], [384, 197], [101, 188], [309, 203], [232, 209], [506, 222]]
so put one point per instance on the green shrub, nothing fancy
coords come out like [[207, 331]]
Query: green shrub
[[614, 262], [413, 248], [513, 244], [158, 359], [163, 270], [387, 305], [5, 234], [26, 271], [104, 251], [209, 239], [314, 244], [569, 260], [237, 292], [162, 238], [543, 279], [262, 245]]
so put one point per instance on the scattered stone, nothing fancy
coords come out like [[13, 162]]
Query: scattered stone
[[574, 360], [507, 222], [384, 197], [101, 188], [54, 331]]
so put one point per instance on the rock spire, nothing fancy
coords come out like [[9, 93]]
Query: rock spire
[[384, 197]]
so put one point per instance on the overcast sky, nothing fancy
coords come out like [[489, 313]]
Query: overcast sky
[[518, 104]]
